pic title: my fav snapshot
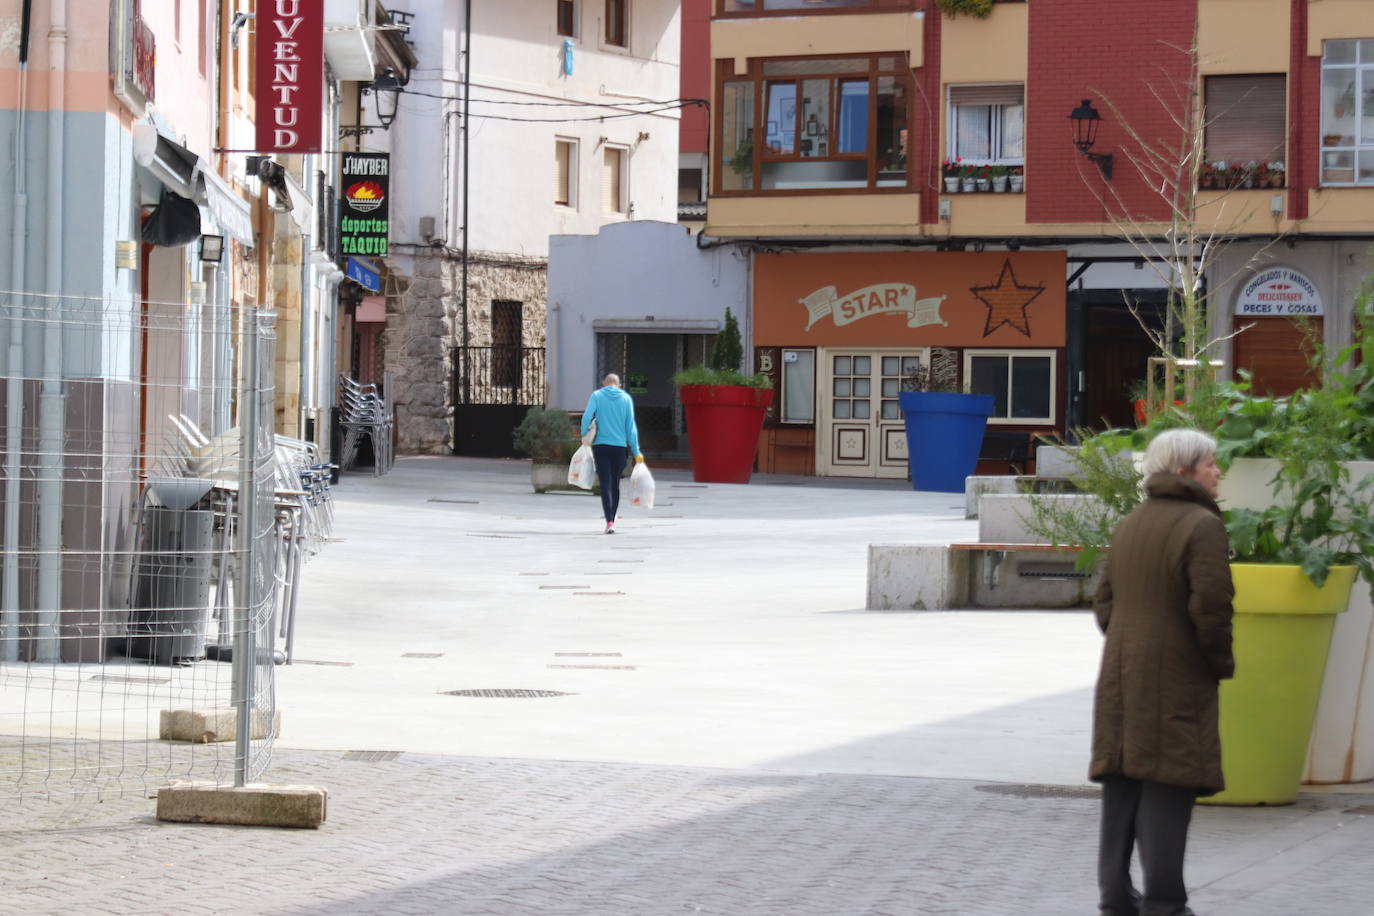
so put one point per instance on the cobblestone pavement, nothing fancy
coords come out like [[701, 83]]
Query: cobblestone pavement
[[432, 834]]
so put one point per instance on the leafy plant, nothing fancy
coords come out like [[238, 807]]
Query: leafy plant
[[700, 375], [743, 159], [728, 352], [940, 376], [1103, 467], [546, 435], [979, 9]]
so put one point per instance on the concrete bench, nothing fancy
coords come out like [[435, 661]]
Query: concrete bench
[[929, 577]]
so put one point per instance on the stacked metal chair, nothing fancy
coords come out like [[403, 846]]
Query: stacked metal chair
[[363, 412]]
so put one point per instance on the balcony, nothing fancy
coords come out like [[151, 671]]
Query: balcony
[[349, 39]]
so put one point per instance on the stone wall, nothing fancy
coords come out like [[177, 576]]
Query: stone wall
[[424, 322]]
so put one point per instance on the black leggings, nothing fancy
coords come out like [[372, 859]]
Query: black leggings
[[610, 464]]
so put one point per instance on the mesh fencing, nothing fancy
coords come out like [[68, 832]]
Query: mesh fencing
[[152, 530]]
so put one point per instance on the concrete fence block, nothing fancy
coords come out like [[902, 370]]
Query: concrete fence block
[[251, 805]]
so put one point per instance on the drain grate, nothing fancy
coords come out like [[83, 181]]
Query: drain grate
[[506, 693], [687, 486], [1031, 791], [551, 588], [586, 655], [371, 756], [464, 502], [131, 680], [1362, 809], [620, 561], [498, 537], [578, 594], [422, 655], [596, 667], [308, 661]]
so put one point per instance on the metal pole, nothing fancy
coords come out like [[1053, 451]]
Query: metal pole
[[467, 132], [245, 589]]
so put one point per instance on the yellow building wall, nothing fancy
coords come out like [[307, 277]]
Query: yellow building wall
[[818, 216], [791, 36], [991, 50], [1340, 210], [1336, 19], [1244, 36], [986, 214]]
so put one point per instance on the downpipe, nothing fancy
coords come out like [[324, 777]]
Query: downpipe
[[51, 398]]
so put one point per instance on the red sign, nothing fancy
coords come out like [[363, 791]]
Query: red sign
[[290, 75]]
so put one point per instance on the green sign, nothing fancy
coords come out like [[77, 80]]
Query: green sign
[[363, 218]]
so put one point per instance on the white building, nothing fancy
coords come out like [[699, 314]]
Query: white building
[[572, 124]]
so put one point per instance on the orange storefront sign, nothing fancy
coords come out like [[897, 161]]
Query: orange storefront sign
[[913, 299]]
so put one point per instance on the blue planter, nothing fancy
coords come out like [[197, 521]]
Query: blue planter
[[944, 433]]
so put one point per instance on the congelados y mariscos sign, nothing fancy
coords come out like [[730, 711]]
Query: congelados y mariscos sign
[[363, 222], [1280, 292]]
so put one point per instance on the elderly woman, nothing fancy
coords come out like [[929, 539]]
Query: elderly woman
[[1164, 603]]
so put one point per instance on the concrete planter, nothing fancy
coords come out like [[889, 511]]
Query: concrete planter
[[1342, 748], [546, 476]]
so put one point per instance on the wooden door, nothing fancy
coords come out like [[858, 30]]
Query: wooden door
[[1278, 351], [860, 433]]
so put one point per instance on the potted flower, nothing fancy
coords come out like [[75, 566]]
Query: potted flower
[[1000, 174], [1207, 176], [1016, 181], [1276, 173], [742, 162], [949, 171], [983, 175], [979, 9], [968, 178], [944, 425], [549, 438], [724, 410]]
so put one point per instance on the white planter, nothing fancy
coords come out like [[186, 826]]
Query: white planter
[[1342, 748], [1016, 183], [951, 186], [984, 184], [968, 185], [999, 185]]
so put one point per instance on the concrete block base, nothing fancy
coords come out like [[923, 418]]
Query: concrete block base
[[916, 577], [206, 726], [975, 487], [251, 805], [1005, 519]]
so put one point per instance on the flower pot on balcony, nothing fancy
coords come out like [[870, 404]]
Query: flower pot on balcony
[[984, 184], [1016, 183], [968, 185], [999, 185], [951, 185]]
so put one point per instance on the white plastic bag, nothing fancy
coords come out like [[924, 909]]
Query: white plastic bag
[[642, 486], [582, 468]]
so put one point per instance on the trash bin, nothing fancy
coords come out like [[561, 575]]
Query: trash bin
[[171, 612]]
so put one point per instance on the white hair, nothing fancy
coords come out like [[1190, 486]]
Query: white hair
[[611, 379], [1177, 449]]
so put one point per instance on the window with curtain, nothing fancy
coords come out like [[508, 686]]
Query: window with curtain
[[613, 180], [1347, 111], [987, 124], [1247, 121], [837, 122], [564, 161], [567, 18]]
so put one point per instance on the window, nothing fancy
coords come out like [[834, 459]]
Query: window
[[613, 180], [567, 17], [987, 124], [1021, 383], [798, 386], [1348, 112], [1246, 118], [689, 186], [506, 339], [565, 173], [793, 7], [617, 16], [824, 123]]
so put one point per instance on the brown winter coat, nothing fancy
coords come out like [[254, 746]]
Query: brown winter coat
[[1165, 604]]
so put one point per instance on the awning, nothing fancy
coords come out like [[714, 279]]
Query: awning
[[302, 207], [229, 210]]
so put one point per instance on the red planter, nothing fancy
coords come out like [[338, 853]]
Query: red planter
[[723, 424]]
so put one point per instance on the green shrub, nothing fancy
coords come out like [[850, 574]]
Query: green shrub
[[546, 435], [700, 375], [979, 9], [728, 353]]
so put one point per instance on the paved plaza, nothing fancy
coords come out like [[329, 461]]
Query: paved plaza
[[729, 731]]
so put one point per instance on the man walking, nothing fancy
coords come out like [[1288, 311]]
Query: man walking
[[614, 413]]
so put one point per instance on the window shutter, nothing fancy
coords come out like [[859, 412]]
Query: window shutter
[[610, 181], [987, 95], [1246, 118], [562, 171]]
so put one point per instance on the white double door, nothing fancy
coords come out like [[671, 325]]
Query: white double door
[[860, 431]]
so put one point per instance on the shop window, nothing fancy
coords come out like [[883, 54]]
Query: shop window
[[613, 180], [1021, 383], [1347, 110], [564, 173], [987, 124], [617, 23], [1246, 121], [798, 386], [567, 18], [822, 123]]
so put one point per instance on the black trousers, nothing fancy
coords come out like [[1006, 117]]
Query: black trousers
[[610, 464], [1154, 817]]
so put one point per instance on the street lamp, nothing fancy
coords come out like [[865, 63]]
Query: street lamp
[[386, 90], [1085, 122]]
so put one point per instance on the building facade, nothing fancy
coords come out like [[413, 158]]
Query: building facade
[[530, 120], [910, 185]]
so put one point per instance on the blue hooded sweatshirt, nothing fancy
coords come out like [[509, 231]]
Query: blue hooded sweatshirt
[[614, 413]]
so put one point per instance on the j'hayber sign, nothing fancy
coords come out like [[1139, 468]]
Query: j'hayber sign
[[363, 222], [1279, 291], [290, 75]]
